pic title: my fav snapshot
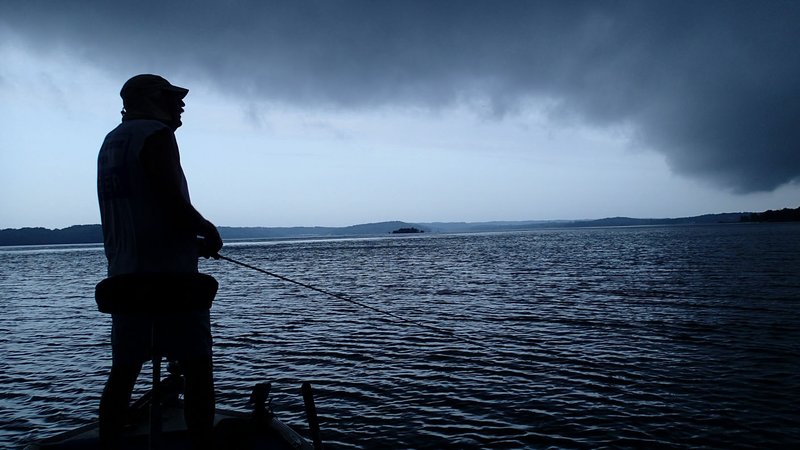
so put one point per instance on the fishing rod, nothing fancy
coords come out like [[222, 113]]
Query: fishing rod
[[358, 303]]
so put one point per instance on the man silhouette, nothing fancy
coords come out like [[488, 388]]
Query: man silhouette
[[150, 226]]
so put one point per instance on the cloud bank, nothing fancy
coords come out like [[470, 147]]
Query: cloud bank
[[712, 85]]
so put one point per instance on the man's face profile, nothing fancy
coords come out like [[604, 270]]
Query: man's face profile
[[173, 105]]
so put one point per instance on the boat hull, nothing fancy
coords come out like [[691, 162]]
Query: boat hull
[[232, 430]]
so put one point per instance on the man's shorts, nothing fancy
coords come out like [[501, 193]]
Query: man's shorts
[[180, 336]]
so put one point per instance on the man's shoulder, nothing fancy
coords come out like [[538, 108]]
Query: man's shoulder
[[144, 131]]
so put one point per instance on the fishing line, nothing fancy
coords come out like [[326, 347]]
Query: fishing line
[[358, 303]]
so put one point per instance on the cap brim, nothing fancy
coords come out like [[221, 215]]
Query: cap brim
[[181, 92]]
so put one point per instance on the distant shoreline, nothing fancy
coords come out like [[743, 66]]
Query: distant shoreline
[[92, 234]]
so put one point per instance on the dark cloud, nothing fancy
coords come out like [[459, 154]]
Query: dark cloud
[[712, 84]]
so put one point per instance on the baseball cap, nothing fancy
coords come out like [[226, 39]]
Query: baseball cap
[[146, 84]]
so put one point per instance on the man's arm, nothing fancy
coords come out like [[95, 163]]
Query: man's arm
[[161, 160]]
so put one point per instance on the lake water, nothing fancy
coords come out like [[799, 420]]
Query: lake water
[[655, 337]]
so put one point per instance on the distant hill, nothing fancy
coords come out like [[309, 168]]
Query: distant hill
[[77, 234], [627, 221], [300, 232], [88, 234], [464, 227]]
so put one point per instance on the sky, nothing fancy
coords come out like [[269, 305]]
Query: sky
[[334, 113]]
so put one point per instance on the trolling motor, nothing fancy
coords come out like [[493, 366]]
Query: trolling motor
[[311, 414]]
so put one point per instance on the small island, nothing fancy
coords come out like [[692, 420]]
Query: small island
[[410, 230]]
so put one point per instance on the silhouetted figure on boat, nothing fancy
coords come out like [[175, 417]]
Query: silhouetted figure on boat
[[150, 227]]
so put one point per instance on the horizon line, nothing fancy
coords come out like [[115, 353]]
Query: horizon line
[[430, 222]]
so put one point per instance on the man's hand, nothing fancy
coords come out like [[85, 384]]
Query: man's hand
[[211, 243]]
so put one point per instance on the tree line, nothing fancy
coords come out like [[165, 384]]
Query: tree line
[[783, 215]]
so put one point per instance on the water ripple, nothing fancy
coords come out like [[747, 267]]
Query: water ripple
[[673, 337]]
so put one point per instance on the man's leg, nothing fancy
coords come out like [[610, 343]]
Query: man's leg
[[199, 400], [115, 400]]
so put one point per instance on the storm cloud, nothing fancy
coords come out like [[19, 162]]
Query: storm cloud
[[711, 85]]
